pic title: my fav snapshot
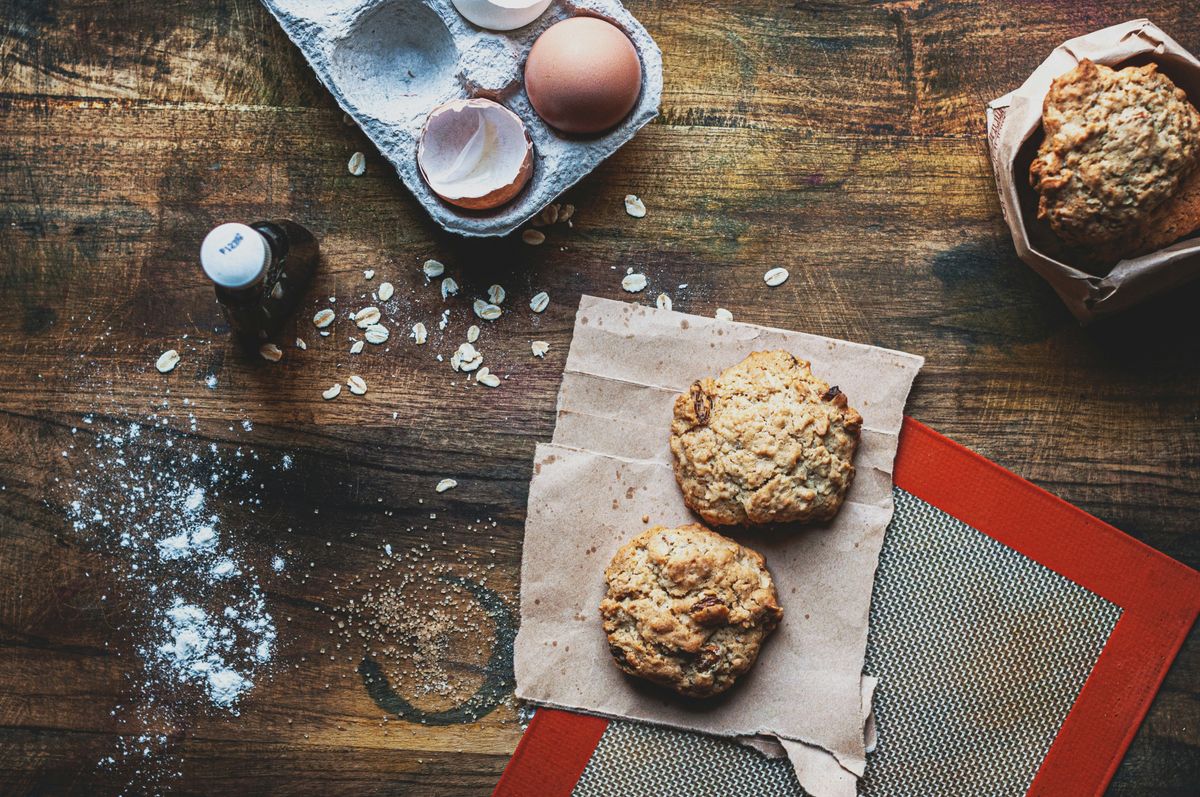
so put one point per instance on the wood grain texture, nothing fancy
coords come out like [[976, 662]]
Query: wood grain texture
[[842, 140]]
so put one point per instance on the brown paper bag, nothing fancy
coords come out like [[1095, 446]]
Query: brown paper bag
[[1014, 124]]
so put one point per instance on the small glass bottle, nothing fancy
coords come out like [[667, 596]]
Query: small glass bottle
[[260, 272]]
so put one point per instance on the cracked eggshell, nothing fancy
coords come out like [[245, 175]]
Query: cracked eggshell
[[475, 154], [501, 14]]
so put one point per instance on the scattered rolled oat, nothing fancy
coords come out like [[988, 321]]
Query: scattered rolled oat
[[356, 347], [565, 214], [300, 344], [723, 314], [496, 294], [270, 352], [445, 484], [357, 385], [449, 287], [418, 333], [277, 291], [776, 276], [376, 334], [549, 214], [357, 164], [167, 361], [386, 289], [663, 301], [484, 377], [366, 317], [323, 318], [534, 237], [539, 348], [634, 283], [332, 392], [488, 312], [472, 333], [634, 206], [466, 358], [539, 302], [433, 269]]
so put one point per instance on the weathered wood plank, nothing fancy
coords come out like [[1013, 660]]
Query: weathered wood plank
[[842, 140]]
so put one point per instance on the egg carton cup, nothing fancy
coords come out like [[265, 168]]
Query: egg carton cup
[[389, 63]]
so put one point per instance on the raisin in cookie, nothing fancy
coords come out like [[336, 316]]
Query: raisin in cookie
[[1118, 145], [765, 442], [688, 608]]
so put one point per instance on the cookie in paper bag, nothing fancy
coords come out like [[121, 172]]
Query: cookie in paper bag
[[688, 608], [1112, 173], [765, 442]]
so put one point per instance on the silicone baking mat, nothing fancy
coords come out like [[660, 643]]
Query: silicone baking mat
[[1018, 642]]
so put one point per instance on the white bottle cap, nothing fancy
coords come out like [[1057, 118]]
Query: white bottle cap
[[234, 255]]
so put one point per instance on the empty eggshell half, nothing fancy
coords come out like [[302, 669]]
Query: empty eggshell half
[[501, 14], [475, 154]]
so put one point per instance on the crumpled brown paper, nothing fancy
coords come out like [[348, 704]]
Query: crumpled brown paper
[[1012, 122], [609, 465]]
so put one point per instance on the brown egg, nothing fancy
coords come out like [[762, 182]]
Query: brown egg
[[583, 75]]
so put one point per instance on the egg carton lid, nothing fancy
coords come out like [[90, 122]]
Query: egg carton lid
[[388, 63]]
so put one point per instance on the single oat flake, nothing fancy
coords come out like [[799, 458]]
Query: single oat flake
[[376, 334], [663, 301], [167, 361], [486, 378], [332, 392], [270, 352], [539, 348], [534, 237], [723, 314], [776, 276], [566, 213], [300, 344], [356, 347], [386, 289], [323, 318], [449, 288], [634, 206], [496, 294], [634, 283], [357, 385], [445, 484], [367, 316], [488, 312], [418, 333], [472, 333], [539, 302], [433, 269], [369, 274], [357, 164]]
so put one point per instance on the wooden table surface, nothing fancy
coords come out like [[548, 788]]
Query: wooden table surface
[[842, 140]]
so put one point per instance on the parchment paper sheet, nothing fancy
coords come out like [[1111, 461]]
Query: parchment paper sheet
[[1015, 117], [609, 465]]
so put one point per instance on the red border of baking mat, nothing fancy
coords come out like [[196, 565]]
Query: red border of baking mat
[[1159, 598]]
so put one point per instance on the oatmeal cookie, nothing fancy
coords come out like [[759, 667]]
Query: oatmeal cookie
[[688, 608], [1118, 145], [765, 442]]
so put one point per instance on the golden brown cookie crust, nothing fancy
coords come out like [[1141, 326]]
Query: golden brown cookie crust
[[688, 608], [1117, 145], [765, 442]]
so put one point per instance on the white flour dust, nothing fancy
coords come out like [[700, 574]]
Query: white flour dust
[[152, 503]]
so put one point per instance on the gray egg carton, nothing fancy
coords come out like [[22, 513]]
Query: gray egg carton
[[390, 62]]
